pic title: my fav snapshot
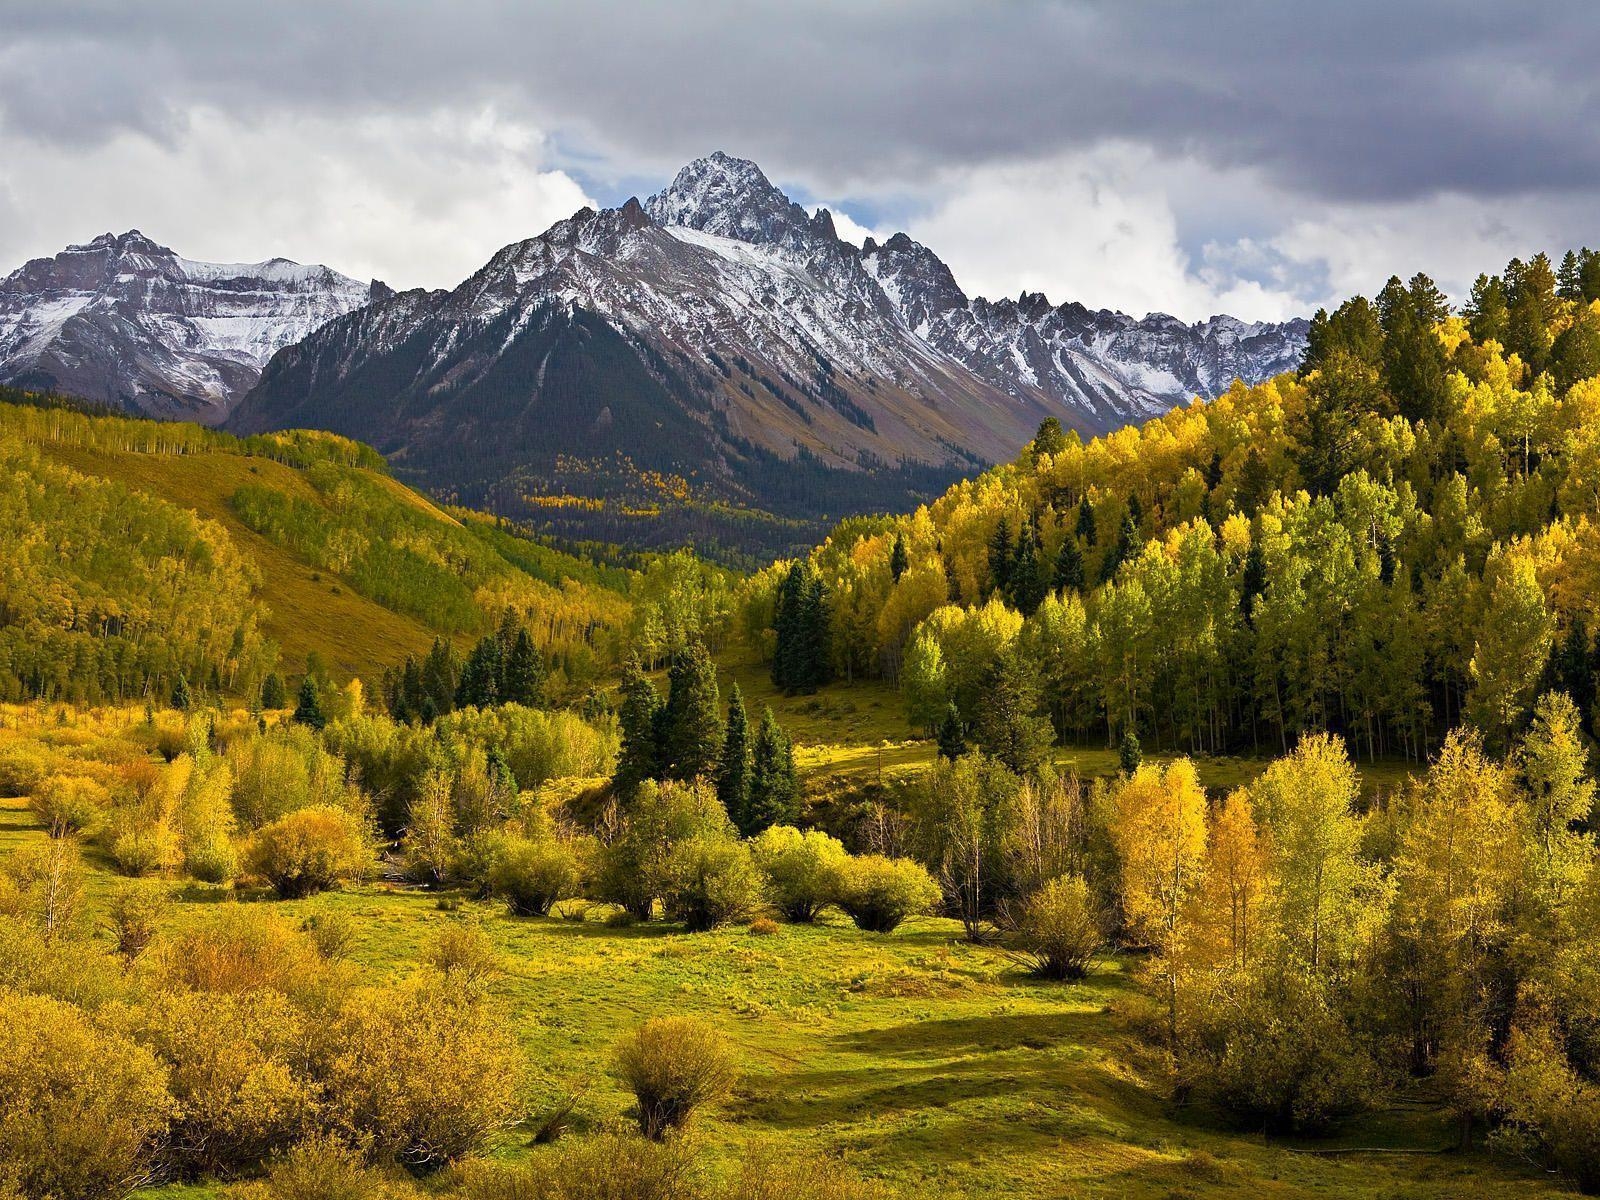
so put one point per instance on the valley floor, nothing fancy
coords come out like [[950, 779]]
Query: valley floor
[[934, 1065]]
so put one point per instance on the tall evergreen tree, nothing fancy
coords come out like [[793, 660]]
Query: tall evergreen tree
[[441, 675], [638, 757], [309, 709], [1029, 580], [480, 676], [1011, 725], [801, 660], [899, 560], [774, 788], [1050, 439], [952, 738], [1069, 566], [1129, 752], [1001, 553], [525, 672], [733, 770], [1121, 551], [690, 727], [272, 694], [181, 700], [1086, 527]]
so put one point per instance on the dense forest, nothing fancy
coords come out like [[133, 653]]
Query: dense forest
[[1399, 538]]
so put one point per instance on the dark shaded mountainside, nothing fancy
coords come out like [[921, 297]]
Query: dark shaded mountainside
[[690, 367]]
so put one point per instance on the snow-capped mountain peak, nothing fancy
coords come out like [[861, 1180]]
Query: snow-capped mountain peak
[[126, 321]]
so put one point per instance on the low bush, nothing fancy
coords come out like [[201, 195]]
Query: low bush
[[763, 927], [610, 1167], [1274, 1051], [532, 875], [70, 804], [238, 948], [311, 850], [424, 1072], [463, 952], [880, 893], [135, 914], [803, 870], [233, 1060], [332, 933], [325, 1168], [1059, 929], [674, 1066], [82, 1109], [23, 767], [710, 882]]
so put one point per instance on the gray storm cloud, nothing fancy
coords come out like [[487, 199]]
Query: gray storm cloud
[[1349, 118]]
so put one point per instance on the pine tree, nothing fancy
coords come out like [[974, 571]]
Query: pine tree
[[1127, 539], [802, 659], [1069, 566], [525, 672], [309, 709], [272, 696], [480, 676], [774, 790], [733, 771], [952, 739], [1252, 581], [1000, 558], [1050, 439], [1569, 284], [1029, 584], [638, 757], [1129, 753], [441, 675], [690, 727], [898, 558], [1011, 726], [816, 652], [181, 700], [1086, 527]]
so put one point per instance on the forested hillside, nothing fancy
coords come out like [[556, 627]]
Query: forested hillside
[[1401, 537], [149, 551]]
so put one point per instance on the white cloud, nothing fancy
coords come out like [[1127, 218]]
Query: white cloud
[[419, 200], [847, 227], [1100, 227]]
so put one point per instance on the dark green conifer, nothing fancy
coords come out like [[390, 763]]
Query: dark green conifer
[[733, 770], [774, 789], [309, 709], [690, 726], [952, 737]]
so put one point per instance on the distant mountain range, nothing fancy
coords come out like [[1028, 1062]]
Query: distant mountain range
[[714, 350], [126, 322]]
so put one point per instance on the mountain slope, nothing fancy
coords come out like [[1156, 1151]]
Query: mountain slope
[[129, 323], [342, 559], [722, 339]]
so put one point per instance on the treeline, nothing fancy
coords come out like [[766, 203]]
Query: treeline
[[109, 594], [1398, 538]]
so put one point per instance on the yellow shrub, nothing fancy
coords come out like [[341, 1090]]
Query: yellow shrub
[[81, 1109], [232, 1058], [237, 949], [311, 850], [427, 1070]]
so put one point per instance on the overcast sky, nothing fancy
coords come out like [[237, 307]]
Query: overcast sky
[[1259, 158]]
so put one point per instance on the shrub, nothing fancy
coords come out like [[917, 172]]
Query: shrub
[[324, 1168], [81, 1108], [426, 1070], [879, 893], [1059, 929], [1550, 1104], [134, 915], [69, 969], [767, 1174], [802, 869], [239, 948], [673, 1066], [462, 951], [232, 1060], [331, 933], [711, 882], [310, 851], [763, 927], [531, 876], [23, 767], [610, 1167], [139, 848], [633, 867], [70, 804], [1275, 1052]]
